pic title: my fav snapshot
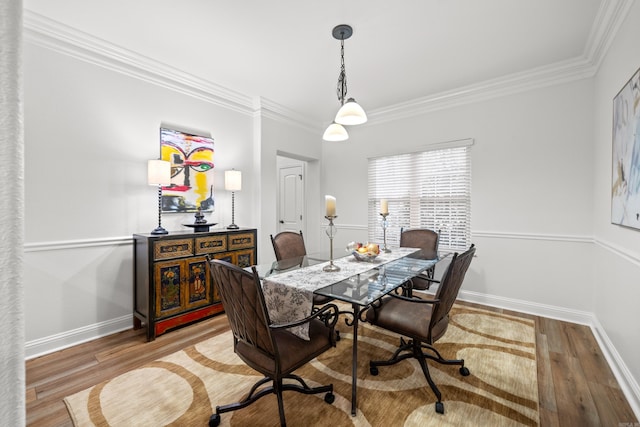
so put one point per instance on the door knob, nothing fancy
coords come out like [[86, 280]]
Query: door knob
[[281, 222]]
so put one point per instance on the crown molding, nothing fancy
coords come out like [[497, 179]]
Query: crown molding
[[272, 110], [608, 21], [53, 35], [562, 72], [58, 37]]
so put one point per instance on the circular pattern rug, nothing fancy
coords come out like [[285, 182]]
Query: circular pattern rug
[[184, 388]]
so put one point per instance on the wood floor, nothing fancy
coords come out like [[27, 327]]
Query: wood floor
[[576, 386]]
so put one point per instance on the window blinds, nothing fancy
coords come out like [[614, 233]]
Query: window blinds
[[429, 189]]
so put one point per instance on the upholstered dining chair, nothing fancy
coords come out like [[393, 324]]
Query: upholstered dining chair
[[423, 321], [268, 348], [288, 245], [427, 240]]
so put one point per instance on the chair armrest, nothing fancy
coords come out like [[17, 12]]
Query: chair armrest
[[415, 299], [428, 279], [422, 276], [328, 314]]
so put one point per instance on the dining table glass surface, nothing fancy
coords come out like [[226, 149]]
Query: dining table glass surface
[[362, 288], [289, 264], [366, 287]]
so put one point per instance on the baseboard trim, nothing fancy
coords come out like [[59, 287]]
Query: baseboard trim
[[521, 306], [77, 336], [628, 384]]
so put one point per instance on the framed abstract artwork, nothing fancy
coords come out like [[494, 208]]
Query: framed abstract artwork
[[625, 181], [191, 158]]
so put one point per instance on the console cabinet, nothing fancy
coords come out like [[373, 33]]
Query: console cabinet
[[172, 284]]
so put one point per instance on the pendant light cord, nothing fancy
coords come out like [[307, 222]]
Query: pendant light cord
[[342, 78]]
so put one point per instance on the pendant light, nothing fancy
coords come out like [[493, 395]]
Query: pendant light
[[350, 112], [335, 132]]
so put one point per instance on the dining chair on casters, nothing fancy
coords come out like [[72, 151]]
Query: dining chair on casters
[[427, 240], [423, 321], [268, 348], [287, 245]]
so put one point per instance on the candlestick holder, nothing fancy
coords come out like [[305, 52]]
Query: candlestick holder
[[385, 224], [331, 231]]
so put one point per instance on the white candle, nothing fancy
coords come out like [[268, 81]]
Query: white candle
[[384, 206], [330, 204]]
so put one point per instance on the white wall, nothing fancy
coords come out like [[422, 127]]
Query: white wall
[[617, 249], [531, 188], [302, 143], [88, 134]]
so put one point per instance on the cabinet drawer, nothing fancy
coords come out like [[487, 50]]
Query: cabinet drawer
[[211, 244], [241, 241], [172, 248]]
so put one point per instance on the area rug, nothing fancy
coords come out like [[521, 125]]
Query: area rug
[[184, 388]]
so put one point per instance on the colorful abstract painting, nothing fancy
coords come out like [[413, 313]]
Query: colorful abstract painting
[[625, 184], [191, 158]]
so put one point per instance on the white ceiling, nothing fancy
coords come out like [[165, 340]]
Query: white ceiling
[[400, 51]]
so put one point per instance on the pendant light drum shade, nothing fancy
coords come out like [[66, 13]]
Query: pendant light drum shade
[[351, 113]]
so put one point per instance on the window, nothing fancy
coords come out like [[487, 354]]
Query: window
[[429, 189]]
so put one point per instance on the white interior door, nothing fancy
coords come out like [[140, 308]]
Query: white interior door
[[291, 199]]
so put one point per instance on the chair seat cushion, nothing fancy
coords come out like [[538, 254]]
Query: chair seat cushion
[[321, 299], [420, 283], [406, 318], [294, 351]]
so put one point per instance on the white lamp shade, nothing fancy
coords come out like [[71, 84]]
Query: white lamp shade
[[351, 113], [158, 172], [233, 180], [335, 132]]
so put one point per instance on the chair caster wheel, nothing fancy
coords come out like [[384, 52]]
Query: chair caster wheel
[[329, 398], [464, 371], [214, 420], [440, 407], [373, 370]]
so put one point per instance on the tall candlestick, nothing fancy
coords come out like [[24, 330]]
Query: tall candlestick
[[331, 231], [330, 204], [384, 231], [384, 206]]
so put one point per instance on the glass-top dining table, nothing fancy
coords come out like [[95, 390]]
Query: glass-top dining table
[[289, 286]]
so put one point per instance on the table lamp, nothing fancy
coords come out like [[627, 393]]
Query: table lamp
[[159, 173], [233, 183]]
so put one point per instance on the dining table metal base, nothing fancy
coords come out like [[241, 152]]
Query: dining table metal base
[[354, 361], [355, 314]]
